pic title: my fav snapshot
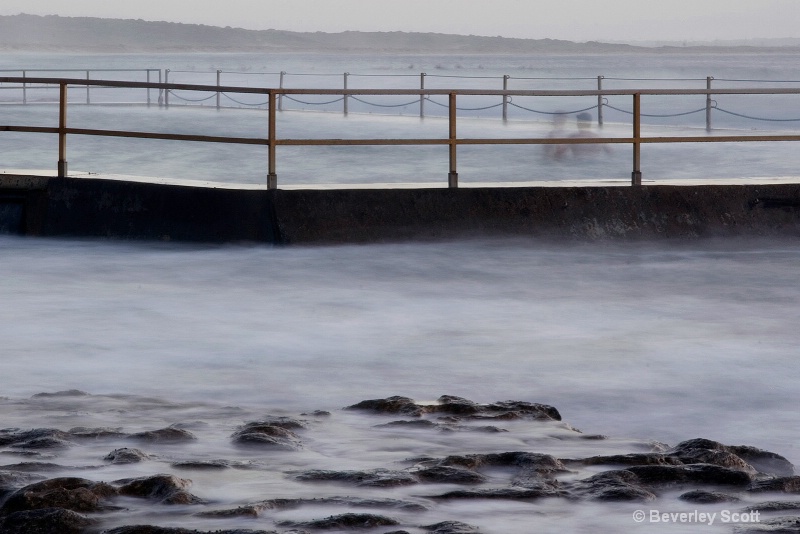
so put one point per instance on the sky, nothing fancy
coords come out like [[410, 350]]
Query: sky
[[575, 20]]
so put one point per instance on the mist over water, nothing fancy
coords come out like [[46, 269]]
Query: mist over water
[[641, 342]]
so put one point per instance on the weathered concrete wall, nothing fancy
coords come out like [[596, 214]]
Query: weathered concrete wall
[[83, 207]]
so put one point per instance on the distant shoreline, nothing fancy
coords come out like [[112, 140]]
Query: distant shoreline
[[55, 34]]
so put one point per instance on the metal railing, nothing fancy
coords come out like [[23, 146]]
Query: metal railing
[[453, 141]]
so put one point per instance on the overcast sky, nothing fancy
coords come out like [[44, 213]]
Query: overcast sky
[[577, 20]]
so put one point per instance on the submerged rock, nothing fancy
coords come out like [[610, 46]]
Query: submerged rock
[[255, 509], [390, 405], [381, 478], [169, 434], [39, 438], [45, 521], [451, 527], [267, 435], [621, 485], [149, 529], [75, 494], [742, 457], [707, 497], [780, 484], [457, 408], [164, 489], [126, 456], [347, 521], [778, 525]]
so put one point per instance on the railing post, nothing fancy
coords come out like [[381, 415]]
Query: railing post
[[272, 176], [166, 91], [280, 97], [708, 103], [505, 98], [636, 175], [219, 72], [600, 102], [452, 177], [87, 89], [421, 95], [62, 130], [344, 96], [148, 89], [24, 89]]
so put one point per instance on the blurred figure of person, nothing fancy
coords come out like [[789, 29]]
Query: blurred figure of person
[[557, 152], [584, 123]]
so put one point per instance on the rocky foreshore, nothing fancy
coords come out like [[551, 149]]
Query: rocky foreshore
[[45, 492]]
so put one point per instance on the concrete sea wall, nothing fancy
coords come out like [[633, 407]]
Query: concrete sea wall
[[92, 207]]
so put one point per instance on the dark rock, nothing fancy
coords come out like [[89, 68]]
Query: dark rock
[[169, 434], [40, 438], [773, 506], [204, 465], [707, 497], [45, 521], [742, 457], [778, 525], [95, 433], [512, 494], [267, 435], [781, 484], [66, 393], [390, 405], [450, 404], [381, 478], [690, 474], [126, 456], [288, 423], [449, 475], [148, 529], [543, 464], [510, 410], [165, 489], [11, 481], [418, 423], [34, 467], [619, 485], [347, 521], [451, 527], [75, 494], [255, 509], [764, 461], [652, 458]]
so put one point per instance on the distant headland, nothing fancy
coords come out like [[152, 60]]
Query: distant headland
[[88, 34]]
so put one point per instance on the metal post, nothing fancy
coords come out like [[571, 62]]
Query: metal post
[[422, 95], [344, 97], [708, 103], [148, 89], [505, 98], [166, 91], [24, 89], [636, 175], [62, 130], [600, 102], [160, 91], [272, 177], [219, 72], [87, 89], [280, 97], [452, 177]]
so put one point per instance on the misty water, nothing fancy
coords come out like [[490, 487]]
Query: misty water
[[641, 342]]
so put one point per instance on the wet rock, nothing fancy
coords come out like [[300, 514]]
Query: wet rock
[[778, 525], [34, 467], [742, 457], [255, 509], [451, 527], [267, 435], [781, 484], [449, 475], [418, 423], [450, 404], [45, 521], [690, 474], [75, 494], [168, 435], [165, 489], [540, 464], [40, 438], [148, 529], [774, 506], [380, 478], [348, 521], [513, 494], [65, 393], [288, 423], [619, 485], [204, 465], [390, 405], [82, 432], [11, 481], [126, 456], [510, 410], [631, 459], [707, 497]]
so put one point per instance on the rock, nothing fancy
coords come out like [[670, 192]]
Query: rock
[[690, 474], [344, 521], [653, 458], [65, 393], [778, 525], [621, 485], [169, 434], [451, 527], [148, 529], [510, 410], [255, 509], [764, 461], [543, 464], [204, 465], [780, 484], [11, 481], [773, 506], [267, 435], [390, 405], [165, 489], [40, 438], [380, 478], [707, 497], [417, 423], [449, 475], [82, 432], [743, 457], [513, 494], [45, 521], [75, 494], [288, 423], [126, 456]]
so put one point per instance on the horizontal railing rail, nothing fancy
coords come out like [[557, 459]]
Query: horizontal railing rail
[[452, 140]]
